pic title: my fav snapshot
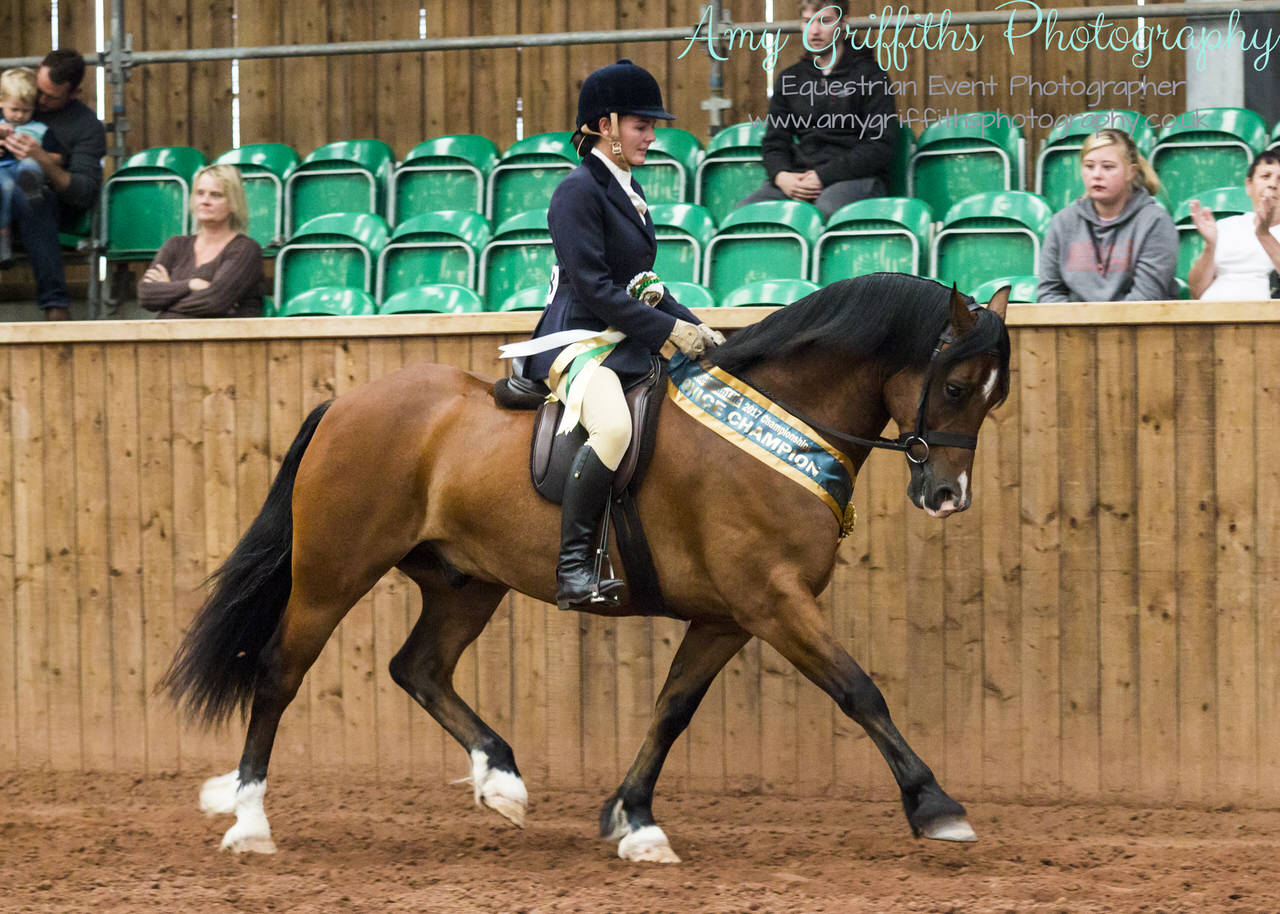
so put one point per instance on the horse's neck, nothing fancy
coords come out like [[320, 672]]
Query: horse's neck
[[846, 397]]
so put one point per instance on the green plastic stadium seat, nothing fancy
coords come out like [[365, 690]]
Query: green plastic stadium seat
[[1274, 141], [691, 294], [903, 151], [349, 176], [768, 292], [732, 168], [518, 256], [338, 249], [443, 173], [1224, 201], [533, 298], [329, 301], [1184, 290], [990, 234], [527, 175], [263, 167], [868, 236], [1058, 165], [435, 298], [683, 230], [670, 166], [956, 159], [772, 239], [1209, 147], [441, 247], [1022, 288], [147, 201]]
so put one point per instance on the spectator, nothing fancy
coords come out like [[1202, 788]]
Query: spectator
[[1116, 243], [1241, 254], [832, 126], [17, 106], [73, 182], [217, 272]]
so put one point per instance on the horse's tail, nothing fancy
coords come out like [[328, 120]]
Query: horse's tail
[[215, 670]]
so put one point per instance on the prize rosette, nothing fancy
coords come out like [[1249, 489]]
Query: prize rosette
[[646, 287]]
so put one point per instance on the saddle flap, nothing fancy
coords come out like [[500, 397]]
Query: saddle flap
[[550, 454]]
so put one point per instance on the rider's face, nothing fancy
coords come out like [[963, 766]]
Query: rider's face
[[634, 133]]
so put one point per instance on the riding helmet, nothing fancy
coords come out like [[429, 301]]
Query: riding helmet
[[620, 88]]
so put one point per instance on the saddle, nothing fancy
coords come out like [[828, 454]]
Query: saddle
[[550, 455]]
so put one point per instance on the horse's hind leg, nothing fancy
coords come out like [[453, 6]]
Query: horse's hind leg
[[453, 617], [319, 599], [627, 816]]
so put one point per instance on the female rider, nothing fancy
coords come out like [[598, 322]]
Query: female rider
[[605, 335]]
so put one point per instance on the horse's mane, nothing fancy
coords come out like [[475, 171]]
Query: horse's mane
[[893, 318]]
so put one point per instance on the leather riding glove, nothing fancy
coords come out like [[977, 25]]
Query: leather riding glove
[[686, 337], [712, 338]]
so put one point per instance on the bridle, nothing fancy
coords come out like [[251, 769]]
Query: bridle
[[915, 444]]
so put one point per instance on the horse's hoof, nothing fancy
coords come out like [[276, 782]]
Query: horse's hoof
[[949, 830], [647, 845], [218, 795], [511, 810], [248, 844], [502, 791]]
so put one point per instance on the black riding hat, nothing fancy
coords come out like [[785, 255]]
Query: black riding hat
[[621, 88]]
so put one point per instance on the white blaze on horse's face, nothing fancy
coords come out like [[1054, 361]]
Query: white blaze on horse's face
[[959, 398]]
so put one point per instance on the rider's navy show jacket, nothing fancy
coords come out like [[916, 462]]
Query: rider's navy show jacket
[[601, 243]]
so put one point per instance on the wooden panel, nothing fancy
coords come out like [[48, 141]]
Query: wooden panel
[[1078, 558], [1235, 387], [212, 26], [396, 79], [1117, 538], [1196, 543], [1050, 643], [10, 716], [94, 605], [125, 601], [1158, 508], [1040, 666], [550, 101], [262, 101]]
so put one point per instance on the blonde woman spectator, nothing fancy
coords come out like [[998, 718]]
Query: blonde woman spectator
[[217, 272], [1116, 243], [1241, 253]]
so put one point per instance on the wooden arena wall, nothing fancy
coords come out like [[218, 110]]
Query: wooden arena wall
[[1100, 625], [406, 98]]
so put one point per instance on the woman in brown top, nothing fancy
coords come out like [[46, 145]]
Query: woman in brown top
[[217, 272]]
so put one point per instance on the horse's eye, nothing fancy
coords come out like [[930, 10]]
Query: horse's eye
[[954, 391]]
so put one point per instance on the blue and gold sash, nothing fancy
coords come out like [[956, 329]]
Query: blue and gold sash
[[741, 414]]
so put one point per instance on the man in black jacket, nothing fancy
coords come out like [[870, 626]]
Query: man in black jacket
[[73, 184], [832, 126]]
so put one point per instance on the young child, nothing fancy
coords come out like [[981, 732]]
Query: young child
[[17, 106]]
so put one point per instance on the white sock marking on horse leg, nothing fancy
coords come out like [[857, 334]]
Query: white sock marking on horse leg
[[218, 795], [501, 791], [251, 833], [647, 845]]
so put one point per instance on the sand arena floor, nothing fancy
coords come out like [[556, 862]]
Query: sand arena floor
[[107, 844]]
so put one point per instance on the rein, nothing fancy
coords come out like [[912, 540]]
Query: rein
[[917, 443]]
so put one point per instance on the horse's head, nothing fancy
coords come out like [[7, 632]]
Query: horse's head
[[945, 402]]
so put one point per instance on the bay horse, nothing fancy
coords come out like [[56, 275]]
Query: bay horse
[[422, 471]]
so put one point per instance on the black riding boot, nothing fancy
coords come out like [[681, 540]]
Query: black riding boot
[[585, 493]]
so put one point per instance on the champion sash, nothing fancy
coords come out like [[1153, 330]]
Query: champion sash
[[741, 414]]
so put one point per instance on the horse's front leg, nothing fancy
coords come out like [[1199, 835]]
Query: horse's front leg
[[627, 816], [795, 627]]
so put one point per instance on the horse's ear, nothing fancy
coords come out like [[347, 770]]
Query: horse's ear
[[1000, 301], [962, 318]]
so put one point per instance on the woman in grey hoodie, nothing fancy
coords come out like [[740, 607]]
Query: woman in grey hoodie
[[1116, 243]]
